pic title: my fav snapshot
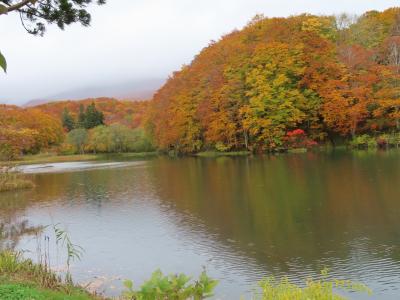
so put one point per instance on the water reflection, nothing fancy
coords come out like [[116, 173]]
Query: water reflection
[[297, 214], [13, 225], [245, 218]]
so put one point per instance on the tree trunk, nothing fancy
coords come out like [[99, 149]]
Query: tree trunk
[[246, 139]]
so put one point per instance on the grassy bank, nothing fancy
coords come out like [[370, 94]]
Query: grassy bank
[[54, 158], [218, 154], [131, 155], [20, 279], [26, 291]]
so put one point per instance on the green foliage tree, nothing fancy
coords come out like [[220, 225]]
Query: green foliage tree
[[141, 142], [99, 139], [68, 121], [275, 102], [118, 138], [78, 138]]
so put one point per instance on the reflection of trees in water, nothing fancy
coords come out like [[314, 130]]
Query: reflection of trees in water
[[291, 208], [12, 233], [94, 188], [13, 227], [281, 211]]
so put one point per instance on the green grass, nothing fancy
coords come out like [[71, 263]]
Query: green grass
[[218, 154], [19, 291], [21, 279]]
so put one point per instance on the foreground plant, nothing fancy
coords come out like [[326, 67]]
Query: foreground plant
[[3, 62], [314, 290], [171, 287], [74, 252], [22, 279]]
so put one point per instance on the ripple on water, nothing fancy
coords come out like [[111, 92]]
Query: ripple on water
[[259, 221]]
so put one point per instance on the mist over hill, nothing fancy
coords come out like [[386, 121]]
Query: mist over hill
[[132, 90]]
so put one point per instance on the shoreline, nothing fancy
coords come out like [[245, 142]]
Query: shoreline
[[54, 158]]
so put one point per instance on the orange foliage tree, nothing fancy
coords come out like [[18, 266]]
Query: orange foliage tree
[[27, 131], [327, 76]]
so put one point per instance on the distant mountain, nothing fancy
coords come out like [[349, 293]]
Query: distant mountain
[[132, 90]]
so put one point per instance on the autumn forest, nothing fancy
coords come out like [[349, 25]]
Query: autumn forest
[[277, 84], [265, 168]]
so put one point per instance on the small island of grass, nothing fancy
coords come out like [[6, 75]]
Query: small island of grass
[[11, 180]]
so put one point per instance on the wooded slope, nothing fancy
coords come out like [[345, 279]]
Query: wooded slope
[[328, 76]]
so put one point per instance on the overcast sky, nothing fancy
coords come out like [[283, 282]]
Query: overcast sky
[[134, 39]]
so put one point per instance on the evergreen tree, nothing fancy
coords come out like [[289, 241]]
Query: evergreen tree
[[68, 121], [34, 14], [81, 117], [93, 117]]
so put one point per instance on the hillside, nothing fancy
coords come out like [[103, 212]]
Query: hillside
[[34, 129], [325, 76], [127, 113]]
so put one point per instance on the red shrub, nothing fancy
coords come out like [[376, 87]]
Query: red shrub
[[298, 139]]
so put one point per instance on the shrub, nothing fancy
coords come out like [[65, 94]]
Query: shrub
[[363, 141], [298, 139], [219, 146], [382, 141], [172, 287], [10, 262], [66, 149], [313, 290], [393, 140]]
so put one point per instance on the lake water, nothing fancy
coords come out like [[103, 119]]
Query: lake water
[[243, 219]]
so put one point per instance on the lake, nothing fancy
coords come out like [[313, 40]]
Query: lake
[[243, 219]]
